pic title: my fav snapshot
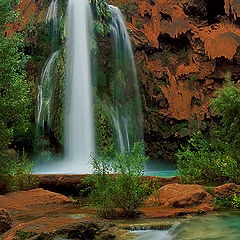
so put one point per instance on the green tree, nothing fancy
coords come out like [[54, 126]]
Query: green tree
[[226, 105], [15, 103]]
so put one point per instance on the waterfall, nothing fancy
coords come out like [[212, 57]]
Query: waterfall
[[45, 93], [126, 106], [45, 86], [79, 134], [51, 17]]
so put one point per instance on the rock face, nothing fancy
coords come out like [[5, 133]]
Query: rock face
[[5, 220], [183, 49], [177, 200], [65, 228], [21, 201]]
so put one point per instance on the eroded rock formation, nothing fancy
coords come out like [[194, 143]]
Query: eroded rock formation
[[184, 50]]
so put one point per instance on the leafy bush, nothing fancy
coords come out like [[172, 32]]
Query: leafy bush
[[124, 190], [226, 105], [16, 174], [215, 157], [231, 201], [22, 174], [102, 16], [207, 160]]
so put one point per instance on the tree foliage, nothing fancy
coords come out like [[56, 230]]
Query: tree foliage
[[15, 102], [215, 157], [124, 190], [226, 105], [14, 90]]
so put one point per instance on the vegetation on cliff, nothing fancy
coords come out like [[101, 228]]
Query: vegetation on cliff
[[16, 109], [214, 156]]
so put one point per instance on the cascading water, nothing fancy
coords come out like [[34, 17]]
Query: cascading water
[[79, 135], [45, 87], [126, 105], [52, 14], [45, 93]]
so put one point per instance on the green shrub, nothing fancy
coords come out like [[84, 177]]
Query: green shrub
[[138, 24], [231, 201], [22, 174], [207, 160], [226, 105], [124, 190], [182, 54], [16, 174], [21, 235]]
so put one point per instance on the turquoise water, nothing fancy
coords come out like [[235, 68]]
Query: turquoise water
[[160, 169], [47, 165], [224, 225]]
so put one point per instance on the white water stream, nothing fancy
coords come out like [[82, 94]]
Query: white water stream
[[79, 133], [126, 113]]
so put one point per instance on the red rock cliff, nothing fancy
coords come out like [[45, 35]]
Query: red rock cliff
[[184, 48]]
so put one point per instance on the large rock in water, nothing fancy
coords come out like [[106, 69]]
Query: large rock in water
[[48, 228], [5, 221], [180, 196]]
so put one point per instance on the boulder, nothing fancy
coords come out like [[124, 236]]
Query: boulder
[[174, 200], [180, 196], [19, 201], [5, 221], [226, 190], [48, 228]]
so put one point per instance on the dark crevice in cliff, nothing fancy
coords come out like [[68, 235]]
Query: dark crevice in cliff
[[152, 3], [215, 9], [174, 44], [165, 16], [147, 15], [195, 101]]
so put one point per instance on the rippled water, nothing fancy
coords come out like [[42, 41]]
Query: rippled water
[[218, 226]]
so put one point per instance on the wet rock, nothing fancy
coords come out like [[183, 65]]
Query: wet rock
[[65, 228], [5, 220]]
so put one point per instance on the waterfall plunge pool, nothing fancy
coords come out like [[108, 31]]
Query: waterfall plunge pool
[[52, 165]]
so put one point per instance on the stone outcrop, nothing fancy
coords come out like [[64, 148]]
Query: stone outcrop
[[226, 190], [183, 50], [22, 201], [65, 228], [177, 200], [72, 184], [5, 221]]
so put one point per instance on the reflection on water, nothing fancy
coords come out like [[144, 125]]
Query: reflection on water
[[160, 169], [218, 226]]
